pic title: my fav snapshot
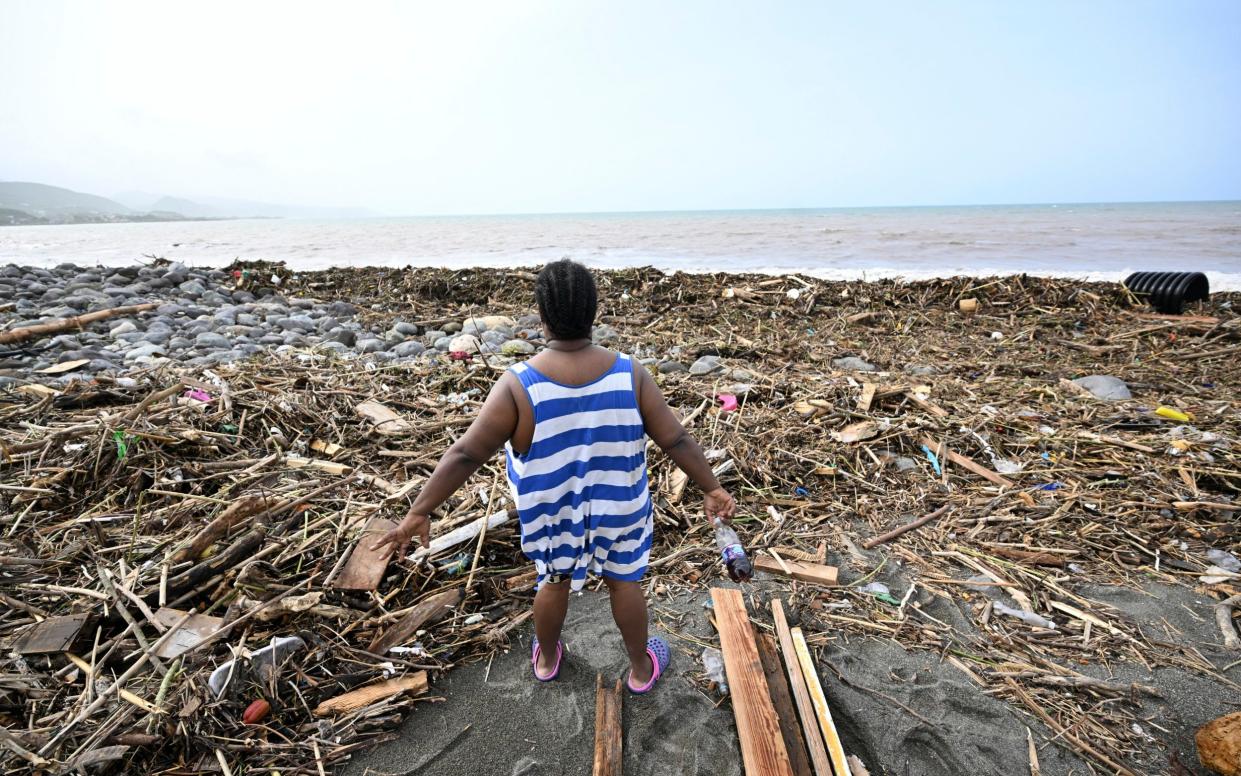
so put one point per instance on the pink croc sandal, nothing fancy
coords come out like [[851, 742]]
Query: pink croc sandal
[[534, 661], [657, 650]]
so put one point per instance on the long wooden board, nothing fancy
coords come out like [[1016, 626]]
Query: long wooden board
[[778, 684], [366, 567], [758, 728], [807, 572], [797, 683], [834, 748], [969, 464], [609, 759]]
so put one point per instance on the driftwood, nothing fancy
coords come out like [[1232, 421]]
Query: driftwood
[[428, 611], [895, 532], [608, 760], [362, 697], [1223, 617], [1219, 744], [23, 333], [233, 514]]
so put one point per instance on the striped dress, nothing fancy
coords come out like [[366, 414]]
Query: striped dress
[[581, 489]]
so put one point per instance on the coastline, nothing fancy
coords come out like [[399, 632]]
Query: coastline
[[284, 356]]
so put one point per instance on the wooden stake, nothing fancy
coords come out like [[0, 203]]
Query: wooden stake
[[834, 748], [609, 760], [801, 696], [758, 728], [895, 532], [781, 698], [806, 572]]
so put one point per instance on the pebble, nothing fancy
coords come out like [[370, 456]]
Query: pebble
[[407, 329], [465, 342], [671, 367], [517, 347], [922, 370], [409, 349], [346, 337], [371, 345], [854, 364], [706, 365], [211, 340]]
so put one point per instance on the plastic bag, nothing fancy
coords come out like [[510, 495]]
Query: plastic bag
[[1030, 618], [713, 665]]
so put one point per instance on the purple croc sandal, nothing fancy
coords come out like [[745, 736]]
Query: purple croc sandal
[[534, 661], [660, 656]]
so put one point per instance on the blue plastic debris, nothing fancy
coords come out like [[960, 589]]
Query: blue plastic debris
[[930, 456]]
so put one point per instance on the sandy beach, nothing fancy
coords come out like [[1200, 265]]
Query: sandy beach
[[1061, 610]]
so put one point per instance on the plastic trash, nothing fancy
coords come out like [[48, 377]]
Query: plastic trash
[[733, 554], [197, 394], [1030, 618], [1225, 560], [880, 591], [713, 665], [1171, 414], [1105, 387], [728, 402], [1169, 291], [930, 456], [275, 652]]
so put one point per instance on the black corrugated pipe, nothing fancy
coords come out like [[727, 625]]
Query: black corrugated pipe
[[1169, 291]]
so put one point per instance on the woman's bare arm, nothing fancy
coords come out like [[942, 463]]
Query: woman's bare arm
[[663, 427], [493, 427]]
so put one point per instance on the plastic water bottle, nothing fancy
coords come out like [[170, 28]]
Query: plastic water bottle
[[729, 545]]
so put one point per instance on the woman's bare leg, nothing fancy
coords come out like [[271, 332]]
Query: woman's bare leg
[[629, 611], [551, 604]]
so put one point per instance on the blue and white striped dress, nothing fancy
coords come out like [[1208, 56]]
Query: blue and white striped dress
[[581, 489]]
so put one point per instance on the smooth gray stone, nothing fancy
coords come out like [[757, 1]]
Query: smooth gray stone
[[672, 367], [347, 337], [370, 345], [242, 296], [342, 309], [409, 349], [179, 343], [170, 309], [192, 288], [334, 346], [124, 327], [158, 335], [214, 298], [604, 334], [530, 321], [133, 336], [271, 339], [854, 364], [247, 319], [443, 342], [921, 370], [494, 337], [452, 327], [145, 350], [408, 329], [432, 336], [301, 303], [473, 326], [210, 339], [327, 323], [67, 341], [516, 347]]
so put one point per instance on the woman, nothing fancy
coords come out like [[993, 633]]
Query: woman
[[574, 421]]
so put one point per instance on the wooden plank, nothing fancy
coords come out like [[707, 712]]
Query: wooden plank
[[384, 419], [778, 684], [372, 693], [55, 634], [806, 572], [366, 566], [609, 760], [758, 727], [835, 749], [969, 464], [425, 612], [868, 396], [801, 696]]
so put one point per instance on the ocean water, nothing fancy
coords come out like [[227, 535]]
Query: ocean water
[[1096, 241]]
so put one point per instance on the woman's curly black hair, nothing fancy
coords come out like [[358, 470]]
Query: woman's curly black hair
[[567, 299]]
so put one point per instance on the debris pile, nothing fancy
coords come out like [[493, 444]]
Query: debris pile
[[185, 553]]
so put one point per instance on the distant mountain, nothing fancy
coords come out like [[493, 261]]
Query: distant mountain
[[221, 207], [55, 203]]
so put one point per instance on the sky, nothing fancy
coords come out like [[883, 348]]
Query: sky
[[584, 105]]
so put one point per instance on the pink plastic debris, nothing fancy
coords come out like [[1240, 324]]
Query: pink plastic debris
[[198, 394], [727, 401]]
